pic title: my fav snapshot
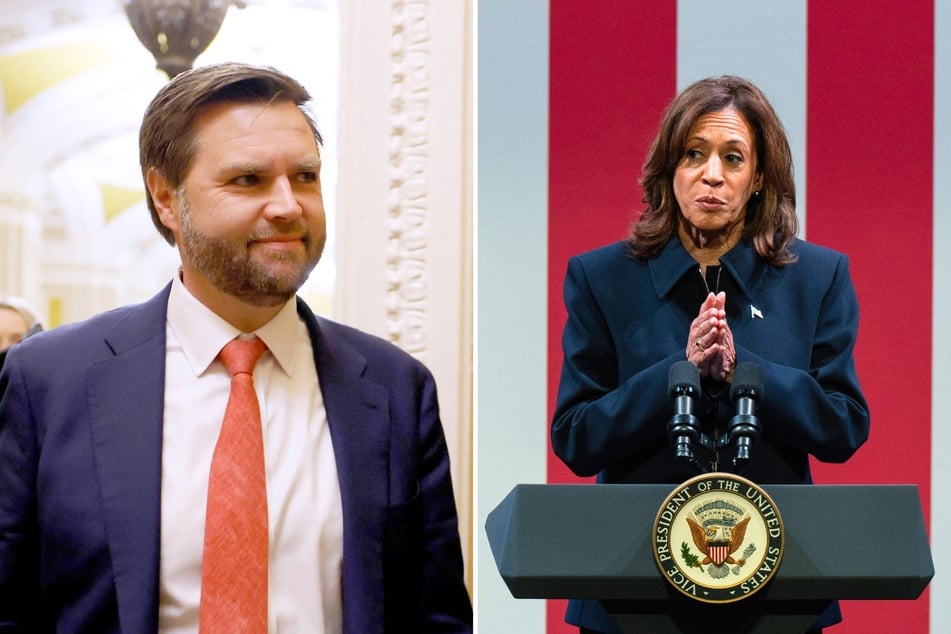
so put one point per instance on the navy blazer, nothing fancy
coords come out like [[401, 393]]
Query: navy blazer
[[80, 467], [628, 322]]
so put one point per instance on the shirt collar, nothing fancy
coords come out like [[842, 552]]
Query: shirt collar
[[746, 266], [673, 262], [202, 333]]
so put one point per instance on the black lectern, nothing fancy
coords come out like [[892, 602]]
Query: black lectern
[[593, 541]]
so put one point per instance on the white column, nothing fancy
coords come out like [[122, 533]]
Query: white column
[[20, 238], [404, 211]]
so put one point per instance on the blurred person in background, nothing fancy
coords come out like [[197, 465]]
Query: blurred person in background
[[18, 320]]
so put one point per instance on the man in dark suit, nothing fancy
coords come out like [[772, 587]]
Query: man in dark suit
[[108, 427]]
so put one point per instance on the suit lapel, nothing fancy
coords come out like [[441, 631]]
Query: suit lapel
[[126, 398], [358, 416]]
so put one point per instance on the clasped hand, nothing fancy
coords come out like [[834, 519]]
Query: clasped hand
[[710, 344]]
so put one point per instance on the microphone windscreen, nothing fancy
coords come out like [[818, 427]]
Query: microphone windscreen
[[683, 374], [747, 377]]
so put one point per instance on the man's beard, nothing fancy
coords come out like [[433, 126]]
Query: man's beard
[[231, 269]]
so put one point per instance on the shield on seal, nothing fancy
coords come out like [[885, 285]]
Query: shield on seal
[[718, 552]]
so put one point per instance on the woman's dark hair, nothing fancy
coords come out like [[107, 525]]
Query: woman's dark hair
[[770, 217]]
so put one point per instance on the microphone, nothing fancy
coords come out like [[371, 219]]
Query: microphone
[[683, 384], [747, 391]]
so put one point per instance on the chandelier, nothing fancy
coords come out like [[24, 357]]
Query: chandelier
[[177, 31]]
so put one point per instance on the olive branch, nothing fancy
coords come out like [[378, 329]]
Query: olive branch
[[689, 558]]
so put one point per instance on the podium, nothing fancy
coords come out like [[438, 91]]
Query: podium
[[594, 541]]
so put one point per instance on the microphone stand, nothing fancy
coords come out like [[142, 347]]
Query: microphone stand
[[743, 429]]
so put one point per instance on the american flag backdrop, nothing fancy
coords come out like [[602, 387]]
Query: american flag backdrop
[[569, 97]]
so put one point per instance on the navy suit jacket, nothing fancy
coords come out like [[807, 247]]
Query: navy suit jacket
[[80, 467], [628, 322]]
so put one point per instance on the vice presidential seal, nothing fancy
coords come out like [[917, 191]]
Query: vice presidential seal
[[718, 538]]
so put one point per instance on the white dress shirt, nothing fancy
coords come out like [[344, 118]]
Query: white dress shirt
[[304, 507]]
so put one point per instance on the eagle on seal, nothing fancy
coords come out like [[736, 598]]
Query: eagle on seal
[[718, 542]]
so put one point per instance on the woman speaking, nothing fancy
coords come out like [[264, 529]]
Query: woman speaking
[[713, 274]]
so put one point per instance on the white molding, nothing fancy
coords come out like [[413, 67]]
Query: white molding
[[404, 211]]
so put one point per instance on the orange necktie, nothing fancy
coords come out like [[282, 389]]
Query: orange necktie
[[235, 561]]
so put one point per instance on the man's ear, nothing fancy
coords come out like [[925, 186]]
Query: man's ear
[[163, 197]]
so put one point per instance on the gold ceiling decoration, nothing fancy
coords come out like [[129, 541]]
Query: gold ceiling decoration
[[116, 199], [177, 31], [26, 74]]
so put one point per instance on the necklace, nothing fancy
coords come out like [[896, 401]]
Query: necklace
[[704, 278]]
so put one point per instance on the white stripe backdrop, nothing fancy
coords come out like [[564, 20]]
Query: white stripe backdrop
[[941, 326], [511, 281]]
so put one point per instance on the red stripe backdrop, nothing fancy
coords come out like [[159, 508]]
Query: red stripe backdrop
[[869, 185], [869, 189], [612, 73]]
